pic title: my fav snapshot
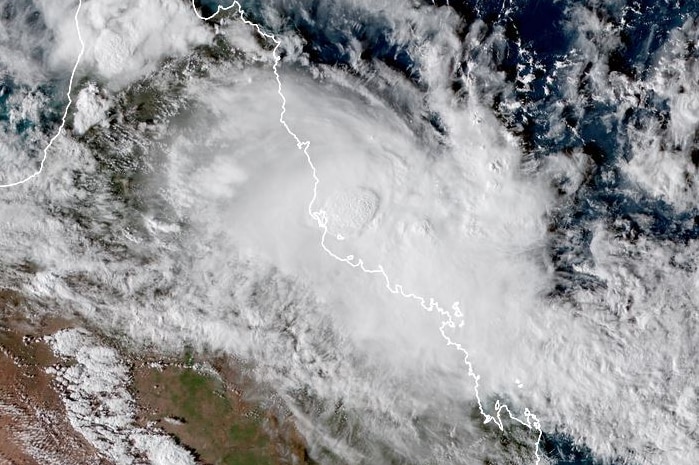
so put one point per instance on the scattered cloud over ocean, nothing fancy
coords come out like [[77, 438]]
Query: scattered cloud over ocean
[[220, 252]]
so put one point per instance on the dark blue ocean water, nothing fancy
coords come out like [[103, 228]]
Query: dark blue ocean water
[[543, 32], [562, 450], [20, 19], [50, 112], [327, 36]]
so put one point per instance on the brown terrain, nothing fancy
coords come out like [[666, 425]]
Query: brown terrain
[[214, 415], [219, 414], [34, 429]]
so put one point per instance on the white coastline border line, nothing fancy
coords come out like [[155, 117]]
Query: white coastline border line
[[65, 112], [530, 420], [320, 216]]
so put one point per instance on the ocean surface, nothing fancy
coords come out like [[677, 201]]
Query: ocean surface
[[566, 222]]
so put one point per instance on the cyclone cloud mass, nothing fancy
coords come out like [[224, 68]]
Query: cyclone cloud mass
[[534, 163]]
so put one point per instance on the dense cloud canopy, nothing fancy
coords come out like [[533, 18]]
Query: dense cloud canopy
[[531, 168]]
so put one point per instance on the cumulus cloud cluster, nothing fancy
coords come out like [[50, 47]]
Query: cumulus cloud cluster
[[100, 407], [125, 40], [220, 251]]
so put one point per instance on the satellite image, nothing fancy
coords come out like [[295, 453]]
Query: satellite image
[[349, 232]]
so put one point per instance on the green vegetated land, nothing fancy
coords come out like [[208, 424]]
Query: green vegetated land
[[209, 419]]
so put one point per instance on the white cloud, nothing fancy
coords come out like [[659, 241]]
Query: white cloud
[[456, 223], [23, 42], [90, 109], [100, 406], [459, 221], [125, 39]]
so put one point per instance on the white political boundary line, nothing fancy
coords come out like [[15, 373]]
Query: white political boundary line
[[530, 420], [65, 112]]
